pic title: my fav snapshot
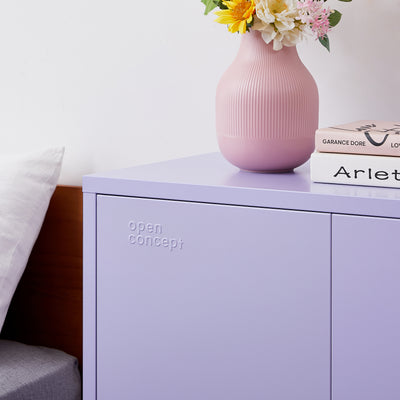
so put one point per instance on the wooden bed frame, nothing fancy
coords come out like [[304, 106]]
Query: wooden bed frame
[[46, 309]]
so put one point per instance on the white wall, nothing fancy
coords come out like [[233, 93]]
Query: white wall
[[124, 82]]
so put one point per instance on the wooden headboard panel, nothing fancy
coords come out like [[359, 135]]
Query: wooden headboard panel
[[47, 307]]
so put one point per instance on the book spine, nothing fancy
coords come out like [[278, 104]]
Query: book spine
[[338, 141], [352, 169]]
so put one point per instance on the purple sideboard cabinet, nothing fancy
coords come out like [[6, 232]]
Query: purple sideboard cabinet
[[203, 282]]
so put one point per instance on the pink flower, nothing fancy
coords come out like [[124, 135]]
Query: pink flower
[[315, 15]]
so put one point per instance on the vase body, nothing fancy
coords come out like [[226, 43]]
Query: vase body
[[266, 108]]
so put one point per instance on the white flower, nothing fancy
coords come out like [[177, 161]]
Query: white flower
[[279, 21]]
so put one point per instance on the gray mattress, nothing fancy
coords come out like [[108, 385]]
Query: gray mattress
[[37, 373]]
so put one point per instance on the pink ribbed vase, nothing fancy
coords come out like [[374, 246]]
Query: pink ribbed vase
[[266, 108]]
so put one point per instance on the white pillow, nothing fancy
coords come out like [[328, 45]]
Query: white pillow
[[27, 183]]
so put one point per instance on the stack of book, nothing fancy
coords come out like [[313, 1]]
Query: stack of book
[[363, 153]]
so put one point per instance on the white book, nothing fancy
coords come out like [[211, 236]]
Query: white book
[[355, 169]]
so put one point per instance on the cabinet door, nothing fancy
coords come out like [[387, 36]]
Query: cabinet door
[[211, 302], [365, 308]]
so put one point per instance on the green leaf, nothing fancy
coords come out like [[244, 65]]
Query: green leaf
[[334, 18], [210, 5], [347, 1], [325, 42], [220, 4]]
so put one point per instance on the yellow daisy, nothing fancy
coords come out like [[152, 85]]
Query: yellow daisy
[[238, 15]]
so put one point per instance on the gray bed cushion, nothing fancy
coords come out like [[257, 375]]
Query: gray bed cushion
[[37, 373]]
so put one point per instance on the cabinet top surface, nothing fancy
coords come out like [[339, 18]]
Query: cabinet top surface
[[210, 178]]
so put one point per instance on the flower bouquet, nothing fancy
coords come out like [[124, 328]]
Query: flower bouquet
[[282, 22]]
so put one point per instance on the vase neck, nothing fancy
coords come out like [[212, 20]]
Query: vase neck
[[253, 45]]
